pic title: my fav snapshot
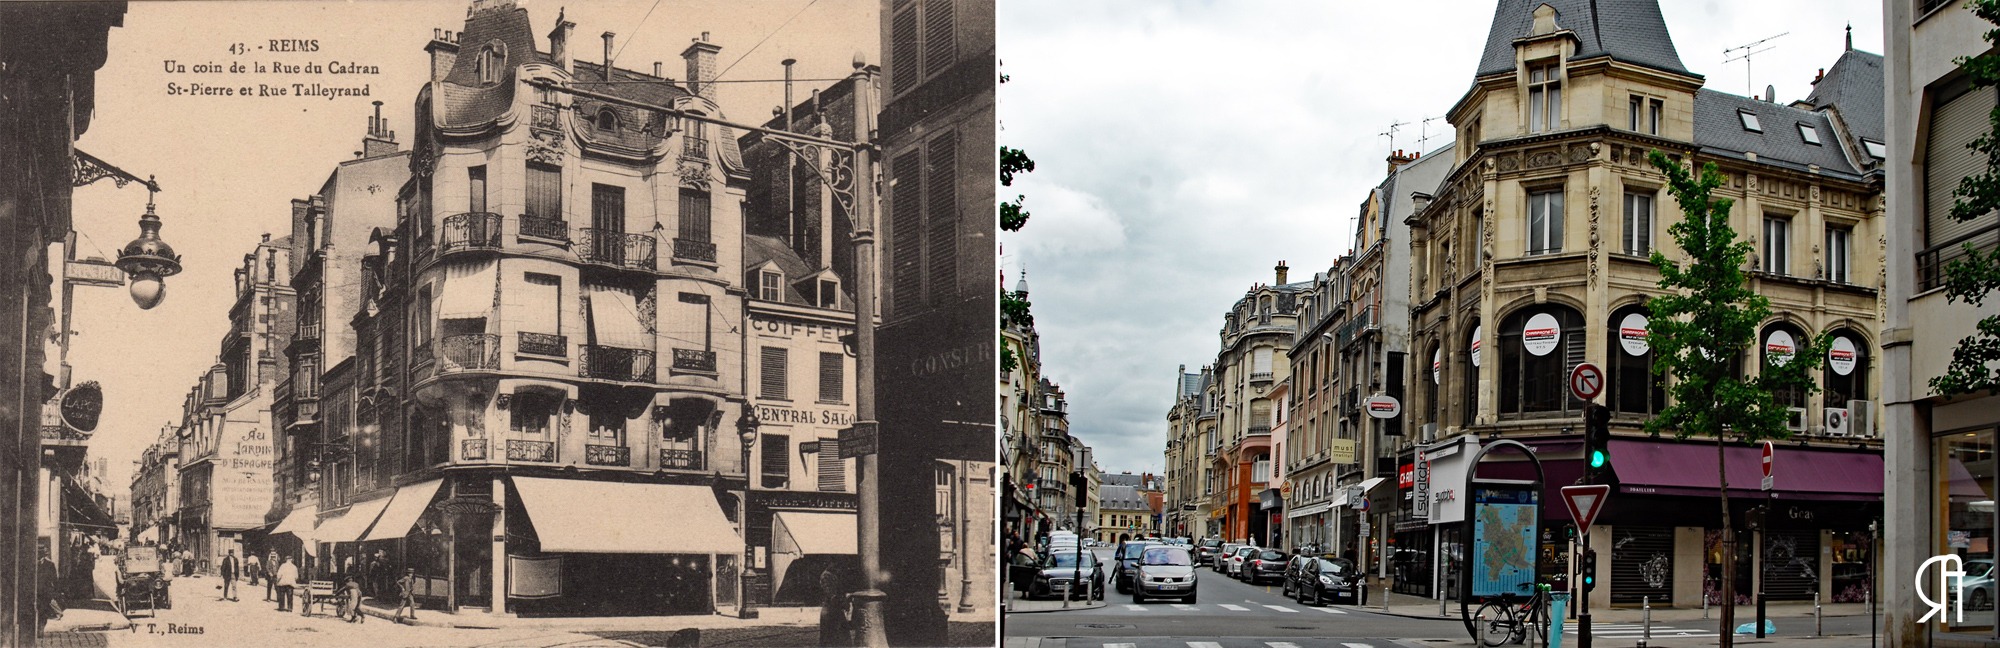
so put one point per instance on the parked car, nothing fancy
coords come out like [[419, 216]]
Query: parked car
[[1262, 565], [1236, 560], [1060, 570], [1221, 563], [1978, 584], [1125, 562], [1204, 553], [1164, 571], [1292, 569], [1328, 577]]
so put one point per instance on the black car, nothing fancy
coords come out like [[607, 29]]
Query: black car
[[1204, 554], [1292, 568], [1266, 564], [1060, 570], [1317, 580], [1126, 561]]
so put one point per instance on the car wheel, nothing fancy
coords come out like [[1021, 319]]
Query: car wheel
[[1138, 598], [1980, 599], [1316, 602], [1190, 599]]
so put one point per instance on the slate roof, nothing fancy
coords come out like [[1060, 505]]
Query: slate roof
[[1121, 498], [1718, 129], [1122, 479], [1190, 384], [758, 248], [1423, 175], [1853, 86], [1632, 31]]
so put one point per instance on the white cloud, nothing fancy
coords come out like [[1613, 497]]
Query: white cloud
[[1066, 221]]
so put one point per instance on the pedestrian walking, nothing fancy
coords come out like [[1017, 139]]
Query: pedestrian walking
[[834, 623], [187, 561], [271, 578], [288, 577], [351, 603], [253, 568], [228, 573], [407, 594]]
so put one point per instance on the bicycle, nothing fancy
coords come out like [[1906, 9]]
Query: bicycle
[[1504, 621]]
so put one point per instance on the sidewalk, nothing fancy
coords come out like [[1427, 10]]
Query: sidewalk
[[1416, 607], [766, 618]]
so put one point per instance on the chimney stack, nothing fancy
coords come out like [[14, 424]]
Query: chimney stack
[[1398, 159], [380, 140], [443, 49], [700, 58], [559, 43], [1282, 271], [658, 71], [608, 37]]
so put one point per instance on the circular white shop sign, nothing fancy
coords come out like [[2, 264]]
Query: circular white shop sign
[[1541, 334], [1437, 366], [1779, 347], [1475, 346], [1842, 356], [1632, 335]]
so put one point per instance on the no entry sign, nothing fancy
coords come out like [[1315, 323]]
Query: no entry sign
[[1586, 381], [1768, 449]]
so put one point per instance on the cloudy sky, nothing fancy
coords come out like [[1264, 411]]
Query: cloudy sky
[[1184, 148], [230, 166]]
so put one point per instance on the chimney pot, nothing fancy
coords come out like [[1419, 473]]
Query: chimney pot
[[657, 70], [608, 38]]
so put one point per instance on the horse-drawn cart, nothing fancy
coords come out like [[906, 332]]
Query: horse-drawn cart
[[141, 584]]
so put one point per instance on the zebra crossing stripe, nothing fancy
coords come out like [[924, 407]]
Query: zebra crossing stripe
[[1234, 608], [1121, 645], [1356, 645], [1135, 607], [1185, 607], [1329, 610], [1282, 608], [1281, 644], [1203, 644]]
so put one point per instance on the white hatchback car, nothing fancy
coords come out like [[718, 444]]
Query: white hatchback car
[[1241, 555]]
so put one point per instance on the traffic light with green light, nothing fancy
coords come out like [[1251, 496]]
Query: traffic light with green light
[[1597, 443], [1589, 570]]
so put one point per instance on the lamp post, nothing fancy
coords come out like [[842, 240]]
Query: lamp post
[[746, 429], [148, 259]]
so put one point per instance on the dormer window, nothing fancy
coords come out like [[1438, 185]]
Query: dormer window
[[1544, 97], [491, 59], [1644, 115], [829, 294], [770, 285], [1875, 149], [1750, 122], [1810, 134], [607, 120]]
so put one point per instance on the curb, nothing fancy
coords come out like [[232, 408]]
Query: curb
[[1097, 606]]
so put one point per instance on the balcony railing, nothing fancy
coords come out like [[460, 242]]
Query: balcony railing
[[1364, 320], [615, 363], [1932, 262], [604, 455], [693, 250], [469, 231], [524, 450], [682, 459], [614, 248], [544, 344], [472, 449], [468, 352], [307, 331], [694, 361], [695, 148], [554, 229]]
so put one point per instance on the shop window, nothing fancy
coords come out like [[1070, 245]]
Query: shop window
[[1538, 345]]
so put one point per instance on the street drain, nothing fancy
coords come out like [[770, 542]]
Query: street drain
[[1104, 626]]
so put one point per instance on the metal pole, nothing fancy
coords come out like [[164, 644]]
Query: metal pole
[[1819, 630], [743, 576], [1645, 621], [868, 510], [1583, 597]]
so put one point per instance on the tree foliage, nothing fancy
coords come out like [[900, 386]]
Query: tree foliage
[[1013, 306], [1975, 276], [1709, 318]]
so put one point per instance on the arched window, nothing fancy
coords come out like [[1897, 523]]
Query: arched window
[[1431, 380], [1778, 344], [1469, 375], [1538, 345], [491, 59], [1846, 369], [607, 119], [1634, 388]]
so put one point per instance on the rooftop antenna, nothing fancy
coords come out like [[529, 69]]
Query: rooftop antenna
[[1424, 132], [1391, 133], [1748, 51]]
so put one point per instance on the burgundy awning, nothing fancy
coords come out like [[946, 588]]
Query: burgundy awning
[[1688, 468]]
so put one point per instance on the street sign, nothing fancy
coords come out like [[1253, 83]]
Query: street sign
[[1382, 406], [1586, 381], [82, 405], [1585, 502], [1364, 528], [857, 441], [1768, 450]]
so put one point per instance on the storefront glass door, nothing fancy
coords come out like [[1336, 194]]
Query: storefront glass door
[[1964, 472]]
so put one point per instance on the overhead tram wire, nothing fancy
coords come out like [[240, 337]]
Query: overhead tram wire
[[635, 35], [767, 37]]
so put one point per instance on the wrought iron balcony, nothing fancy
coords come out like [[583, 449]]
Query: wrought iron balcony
[[524, 450], [682, 459], [694, 361], [604, 455], [544, 344], [618, 249], [554, 229], [693, 250], [469, 231], [468, 352], [695, 148], [615, 363]]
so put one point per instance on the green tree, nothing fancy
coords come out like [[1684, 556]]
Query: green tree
[[1700, 330], [1974, 277], [1013, 306]]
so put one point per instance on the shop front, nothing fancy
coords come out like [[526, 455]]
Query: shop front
[[599, 548], [799, 538]]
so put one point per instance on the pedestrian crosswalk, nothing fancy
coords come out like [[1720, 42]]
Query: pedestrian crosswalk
[[1079, 642], [1635, 631], [1246, 606]]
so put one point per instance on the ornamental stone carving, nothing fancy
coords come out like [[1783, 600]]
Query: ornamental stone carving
[[1595, 241]]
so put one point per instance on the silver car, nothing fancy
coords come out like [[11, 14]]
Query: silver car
[[1234, 564], [1164, 571]]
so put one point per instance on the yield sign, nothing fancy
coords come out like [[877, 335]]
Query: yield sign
[[1585, 502]]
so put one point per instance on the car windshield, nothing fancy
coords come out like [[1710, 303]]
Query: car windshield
[[1133, 549], [1244, 552], [1271, 554], [1167, 556], [1334, 565], [1977, 568], [1069, 560], [1211, 542]]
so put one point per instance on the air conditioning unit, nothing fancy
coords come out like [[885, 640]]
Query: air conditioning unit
[[1861, 417], [1837, 422], [1428, 434], [1795, 419]]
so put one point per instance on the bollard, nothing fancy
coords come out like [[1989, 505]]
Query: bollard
[[1704, 606], [1818, 630], [1385, 597], [1645, 621], [1441, 611]]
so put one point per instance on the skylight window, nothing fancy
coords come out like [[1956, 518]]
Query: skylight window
[[1876, 149], [1811, 134], [1750, 121]]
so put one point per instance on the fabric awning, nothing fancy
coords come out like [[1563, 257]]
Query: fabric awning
[[583, 516], [467, 290], [799, 532], [351, 524], [1339, 497], [404, 509], [1800, 473], [1321, 507], [1370, 483], [151, 534], [614, 317], [299, 522]]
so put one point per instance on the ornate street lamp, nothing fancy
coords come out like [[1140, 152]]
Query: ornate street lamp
[[148, 259], [746, 429]]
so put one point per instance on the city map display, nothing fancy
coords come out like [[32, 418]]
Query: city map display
[[1504, 528]]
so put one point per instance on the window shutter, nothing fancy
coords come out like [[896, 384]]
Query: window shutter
[[939, 42], [832, 469], [941, 241], [777, 460], [1953, 123], [544, 191], [904, 50], [831, 368], [772, 380], [694, 215], [906, 233]]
